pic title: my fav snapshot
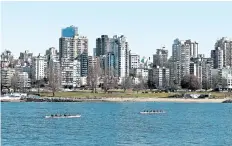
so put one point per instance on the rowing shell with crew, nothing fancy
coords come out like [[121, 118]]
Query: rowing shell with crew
[[63, 116], [153, 112]]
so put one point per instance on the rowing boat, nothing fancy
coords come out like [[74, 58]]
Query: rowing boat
[[152, 112], [56, 117]]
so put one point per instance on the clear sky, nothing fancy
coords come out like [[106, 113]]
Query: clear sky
[[36, 26]]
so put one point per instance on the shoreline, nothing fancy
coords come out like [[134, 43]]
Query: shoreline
[[174, 100], [120, 99]]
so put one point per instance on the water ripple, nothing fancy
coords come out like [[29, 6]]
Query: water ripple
[[109, 124]]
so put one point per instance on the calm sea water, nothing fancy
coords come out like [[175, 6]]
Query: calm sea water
[[109, 124]]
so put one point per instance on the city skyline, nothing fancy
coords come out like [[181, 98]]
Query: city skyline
[[154, 25]]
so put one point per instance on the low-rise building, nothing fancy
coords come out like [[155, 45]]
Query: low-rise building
[[83, 81], [6, 76], [140, 72], [24, 81], [226, 77]]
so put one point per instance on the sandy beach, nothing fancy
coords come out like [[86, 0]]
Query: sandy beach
[[181, 100], [141, 99]]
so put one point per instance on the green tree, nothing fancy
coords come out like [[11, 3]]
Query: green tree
[[190, 82]]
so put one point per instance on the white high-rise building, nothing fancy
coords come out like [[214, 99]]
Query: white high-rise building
[[181, 59], [114, 54], [196, 69], [134, 61], [82, 44], [68, 48], [73, 55], [222, 55], [76, 73], [70, 73], [38, 67], [72, 47], [120, 48], [193, 48]]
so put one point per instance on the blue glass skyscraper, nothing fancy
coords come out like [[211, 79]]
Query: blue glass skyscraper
[[69, 31]]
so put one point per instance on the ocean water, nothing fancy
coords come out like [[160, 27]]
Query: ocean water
[[117, 124]]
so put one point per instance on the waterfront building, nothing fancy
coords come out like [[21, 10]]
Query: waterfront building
[[196, 68], [39, 66], [222, 54], [26, 56], [181, 59], [160, 76], [102, 45], [68, 48], [71, 44], [193, 48], [140, 72], [6, 75], [77, 73], [110, 63], [82, 44], [70, 73], [73, 55], [207, 66], [6, 59], [84, 63], [226, 77], [83, 81], [24, 82], [113, 52], [123, 56], [54, 71], [217, 56], [134, 61], [93, 61], [52, 53], [107, 64], [160, 58]]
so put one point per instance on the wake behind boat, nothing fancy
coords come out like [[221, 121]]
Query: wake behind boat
[[153, 112], [63, 116]]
